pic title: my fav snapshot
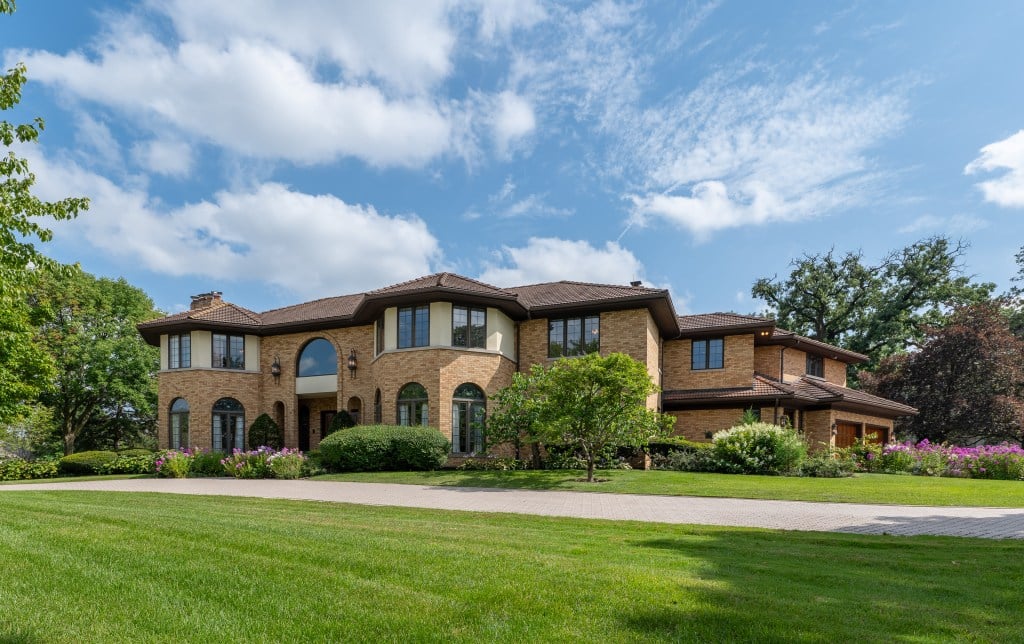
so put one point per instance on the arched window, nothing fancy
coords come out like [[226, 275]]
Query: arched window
[[412, 405], [228, 425], [469, 409], [179, 424], [378, 412], [318, 358]]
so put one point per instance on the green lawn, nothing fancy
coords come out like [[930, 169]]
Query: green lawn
[[68, 479], [863, 488], [87, 566]]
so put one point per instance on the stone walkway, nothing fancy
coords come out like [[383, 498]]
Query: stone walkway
[[991, 523]]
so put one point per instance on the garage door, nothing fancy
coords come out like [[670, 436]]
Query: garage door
[[846, 434]]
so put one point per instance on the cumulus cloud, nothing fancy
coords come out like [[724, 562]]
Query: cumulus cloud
[[164, 156], [734, 153], [1008, 154], [550, 259], [312, 245], [955, 224], [306, 84]]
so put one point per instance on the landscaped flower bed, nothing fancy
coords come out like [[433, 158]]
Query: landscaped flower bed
[[1002, 461]]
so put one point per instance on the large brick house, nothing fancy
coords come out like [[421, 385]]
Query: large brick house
[[435, 349]]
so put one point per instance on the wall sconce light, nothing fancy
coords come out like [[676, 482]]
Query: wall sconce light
[[352, 363], [834, 431], [275, 369]]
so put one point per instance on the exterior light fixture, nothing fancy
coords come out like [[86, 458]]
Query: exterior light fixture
[[834, 430], [352, 363], [275, 369]]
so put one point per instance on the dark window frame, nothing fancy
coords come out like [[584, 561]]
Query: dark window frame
[[467, 407], [706, 364], [380, 336], [416, 411], [182, 416], [232, 364], [179, 358], [469, 339], [815, 366], [413, 330], [562, 327], [225, 409], [301, 373]]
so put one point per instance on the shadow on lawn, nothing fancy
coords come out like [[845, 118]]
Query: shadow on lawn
[[538, 480], [17, 637], [755, 586]]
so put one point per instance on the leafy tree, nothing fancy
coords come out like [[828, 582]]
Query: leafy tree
[[593, 402], [876, 310], [1015, 297], [103, 367], [513, 418], [265, 432], [22, 366], [967, 380]]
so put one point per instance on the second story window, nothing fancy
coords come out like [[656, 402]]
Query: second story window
[[228, 351], [380, 335], [574, 336], [469, 327], [708, 354], [413, 326], [179, 351], [815, 366]]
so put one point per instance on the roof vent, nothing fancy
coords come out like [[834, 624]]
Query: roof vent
[[205, 300], [635, 283]]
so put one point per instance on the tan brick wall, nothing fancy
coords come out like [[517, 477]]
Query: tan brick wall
[[794, 364], [738, 370], [693, 424], [533, 343], [818, 430], [835, 372], [201, 388], [766, 360]]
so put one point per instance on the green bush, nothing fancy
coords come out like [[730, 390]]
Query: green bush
[[370, 448], [84, 463], [341, 420], [248, 465], [287, 464], [568, 457], [827, 467], [134, 451], [664, 446], [139, 464], [264, 432], [758, 448], [174, 464], [897, 462], [207, 464], [19, 469], [686, 460], [313, 465]]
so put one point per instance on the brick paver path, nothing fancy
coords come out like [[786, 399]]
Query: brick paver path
[[993, 523]]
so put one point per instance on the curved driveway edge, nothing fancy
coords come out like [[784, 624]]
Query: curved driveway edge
[[991, 523]]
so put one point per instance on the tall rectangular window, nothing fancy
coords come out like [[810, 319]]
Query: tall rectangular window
[[413, 326], [707, 354], [179, 351], [228, 351], [815, 366], [469, 327], [380, 335], [574, 336]]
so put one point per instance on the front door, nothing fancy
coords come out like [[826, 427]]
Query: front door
[[325, 422], [303, 428]]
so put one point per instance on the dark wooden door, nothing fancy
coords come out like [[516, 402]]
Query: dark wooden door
[[846, 434], [303, 428], [325, 422]]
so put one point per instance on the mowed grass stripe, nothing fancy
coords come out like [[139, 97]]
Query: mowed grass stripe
[[863, 488], [87, 566]]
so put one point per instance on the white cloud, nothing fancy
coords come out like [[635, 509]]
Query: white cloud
[[955, 224], [308, 84], [94, 139], [1008, 154], [164, 156], [504, 204], [549, 259], [311, 245], [750, 153]]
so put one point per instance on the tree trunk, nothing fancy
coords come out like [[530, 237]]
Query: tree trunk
[[69, 444], [535, 450], [590, 468]]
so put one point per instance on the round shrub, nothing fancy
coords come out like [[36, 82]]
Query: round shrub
[[86, 462], [827, 467], [758, 448], [134, 451], [264, 432], [341, 420], [384, 447]]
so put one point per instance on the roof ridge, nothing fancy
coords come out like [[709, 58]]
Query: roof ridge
[[321, 299]]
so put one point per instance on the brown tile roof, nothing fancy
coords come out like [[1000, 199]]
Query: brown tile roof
[[788, 338], [447, 281], [221, 312], [566, 293], [328, 308], [807, 390], [720, 320]]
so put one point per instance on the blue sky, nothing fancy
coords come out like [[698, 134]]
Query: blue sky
[[283, 151]]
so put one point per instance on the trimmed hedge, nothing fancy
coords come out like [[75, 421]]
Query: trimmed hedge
[[86, 462], [135, 451], [19, 469], [341, 420], [264, 432], [368, 448]]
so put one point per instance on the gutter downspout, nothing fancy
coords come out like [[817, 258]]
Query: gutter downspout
[[782, 362]]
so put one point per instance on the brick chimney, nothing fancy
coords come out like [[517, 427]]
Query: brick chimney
[[205, 300]]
